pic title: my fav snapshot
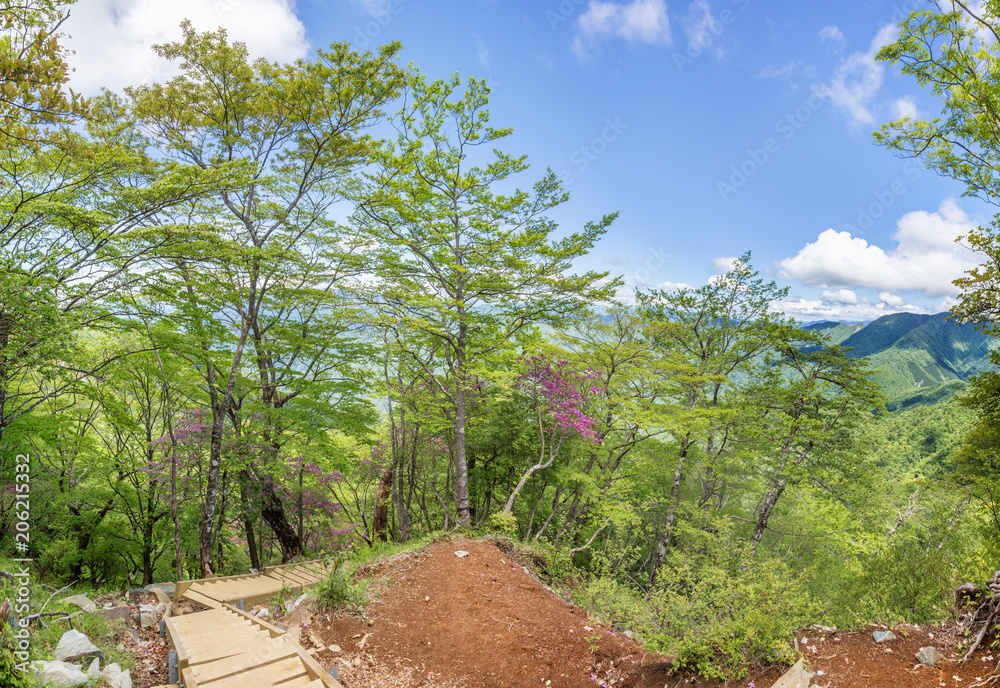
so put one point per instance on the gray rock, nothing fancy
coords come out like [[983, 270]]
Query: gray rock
[[161, 596], [263, 613], [292, 604], [95, 668], [123, 613], [147, 615], [796, 677], [461, 553], [883, 636], [117, 678], [59, 674], [168, 588], [929, 656], [74, 646], [81, 601]]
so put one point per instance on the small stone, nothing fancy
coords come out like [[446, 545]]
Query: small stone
[[371, 622], [81, 601], [929, 656], [628, 634], [461, 553], [147, 615], [74, 646], [160, 595], [334, 648], [94, 671], [883, 636], [116, 678], [59, 674], [168, 588], [796, 677], [427, 598]]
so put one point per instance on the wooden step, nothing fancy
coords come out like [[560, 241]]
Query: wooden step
[[259, 676]]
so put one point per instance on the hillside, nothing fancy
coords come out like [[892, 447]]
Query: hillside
[[912, 351]]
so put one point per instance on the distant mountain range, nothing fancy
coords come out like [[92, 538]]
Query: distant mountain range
[[918, 357]]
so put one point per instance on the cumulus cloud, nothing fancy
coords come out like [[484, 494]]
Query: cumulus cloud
[[925, 259], [857, 79], [640, 21], [724, 264], [831, 33], [840, 296], [112, 38]]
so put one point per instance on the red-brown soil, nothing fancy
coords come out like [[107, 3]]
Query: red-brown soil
[[485, 621]]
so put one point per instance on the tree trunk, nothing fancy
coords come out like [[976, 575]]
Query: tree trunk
[[273, 512], [461, 467], [248, 526], [380, 519], [766, 509], [663, 542]]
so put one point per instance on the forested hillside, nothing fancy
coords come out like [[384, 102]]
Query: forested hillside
[[203, 372], [914, 352]]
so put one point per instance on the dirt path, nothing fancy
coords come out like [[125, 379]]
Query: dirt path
[[484, 621]]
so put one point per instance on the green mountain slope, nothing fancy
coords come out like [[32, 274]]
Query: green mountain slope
[[915, 352]]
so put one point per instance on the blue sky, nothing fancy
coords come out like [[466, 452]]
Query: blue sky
[[713, 127]]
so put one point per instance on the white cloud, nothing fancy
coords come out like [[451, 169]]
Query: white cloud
[[925, 259], [904, 107], [840, 296], [831, 33], [674, 286], [640, 21], [112, 38], [700, 26], [890, 299], [857, 79], [724, 264]]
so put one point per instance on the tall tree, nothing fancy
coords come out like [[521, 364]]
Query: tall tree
[[457, 261], [713, 334], [269, 257]]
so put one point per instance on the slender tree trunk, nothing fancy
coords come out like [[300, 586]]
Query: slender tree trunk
[[663, 542], [766, 509], [380, 519], [461, 467], [273, 512], [248, 526]]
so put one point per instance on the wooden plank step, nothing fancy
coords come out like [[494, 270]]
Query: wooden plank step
[[201, 599], [259, 676], [200, 654], [275, 651], [297, 682]]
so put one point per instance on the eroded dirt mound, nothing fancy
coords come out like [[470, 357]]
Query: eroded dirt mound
[[481, 621]]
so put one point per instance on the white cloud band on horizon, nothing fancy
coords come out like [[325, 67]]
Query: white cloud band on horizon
[[112, 38]]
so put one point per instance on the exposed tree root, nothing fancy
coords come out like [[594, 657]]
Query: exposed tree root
[[986, 612]]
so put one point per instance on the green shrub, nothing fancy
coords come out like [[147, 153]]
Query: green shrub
[[714, 609], [337, 590], [504, 524]]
